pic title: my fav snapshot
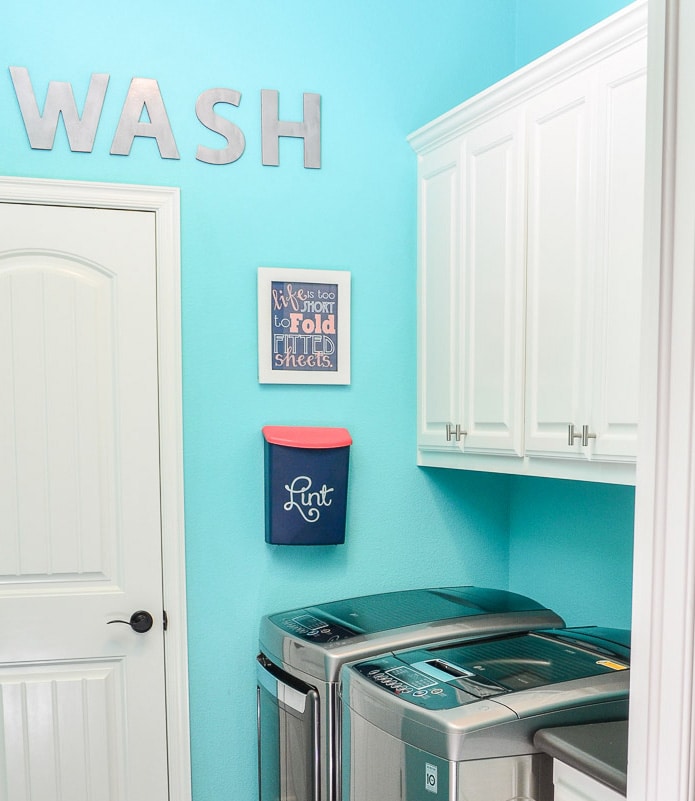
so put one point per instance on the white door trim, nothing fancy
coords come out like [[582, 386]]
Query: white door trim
[[164, 202], [661, 755]]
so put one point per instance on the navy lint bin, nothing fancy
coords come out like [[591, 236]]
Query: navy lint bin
[[306, 473]]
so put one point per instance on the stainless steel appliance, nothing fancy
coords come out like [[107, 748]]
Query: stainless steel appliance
[[456, 722], [302, 651]]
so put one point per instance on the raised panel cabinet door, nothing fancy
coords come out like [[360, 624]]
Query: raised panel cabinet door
[[616, 304], [493, 300], [561, 159], [438, 295]]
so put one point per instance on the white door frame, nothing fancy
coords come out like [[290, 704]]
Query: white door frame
[[662, 696], [164, 202]]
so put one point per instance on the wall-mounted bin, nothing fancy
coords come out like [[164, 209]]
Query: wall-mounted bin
[[306, 472]]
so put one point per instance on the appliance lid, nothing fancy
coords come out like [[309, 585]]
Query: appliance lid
[[371, 614], [453, 675], [617, 641], [526, 661]]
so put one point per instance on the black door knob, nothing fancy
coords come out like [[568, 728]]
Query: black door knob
[[140, 621]]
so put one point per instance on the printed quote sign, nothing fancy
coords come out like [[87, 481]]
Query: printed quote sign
[[303, 326]]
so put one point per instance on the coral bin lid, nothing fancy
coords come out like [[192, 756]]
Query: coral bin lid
[[307, 436]]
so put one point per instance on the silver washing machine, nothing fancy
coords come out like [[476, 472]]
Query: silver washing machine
[[303, 650], [456, 722]]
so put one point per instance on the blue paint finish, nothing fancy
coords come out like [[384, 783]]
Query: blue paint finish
[[570, 545], [382, 71], [544, 24]]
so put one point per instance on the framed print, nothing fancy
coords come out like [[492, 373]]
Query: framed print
[[303, 326]]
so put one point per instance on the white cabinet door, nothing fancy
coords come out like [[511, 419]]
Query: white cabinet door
[[586, 192], [471, 290], [622, 86], [438, 293], [492, 301], [559, 282]]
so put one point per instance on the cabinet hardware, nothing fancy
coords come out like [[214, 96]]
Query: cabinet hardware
[[571, 435], [454, 432], [585, 436]]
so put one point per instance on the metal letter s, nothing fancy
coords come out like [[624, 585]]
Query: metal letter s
[[205, 111]]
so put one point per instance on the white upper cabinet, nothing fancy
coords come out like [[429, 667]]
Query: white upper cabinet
[[530, 203]]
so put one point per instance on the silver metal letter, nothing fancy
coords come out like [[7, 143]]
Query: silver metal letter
[[205, 111], [144, 95], [272, 129], [41, 128]]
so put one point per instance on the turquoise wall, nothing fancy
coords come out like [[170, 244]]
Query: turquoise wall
[[544, 24], [381, 72], [571, 544]]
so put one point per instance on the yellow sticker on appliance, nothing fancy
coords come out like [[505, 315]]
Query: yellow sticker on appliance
[[612, 665]]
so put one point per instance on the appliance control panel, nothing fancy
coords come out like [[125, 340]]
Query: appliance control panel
[[430, 684], [311, 628]]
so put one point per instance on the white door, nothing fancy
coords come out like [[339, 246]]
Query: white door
[[82, 700]]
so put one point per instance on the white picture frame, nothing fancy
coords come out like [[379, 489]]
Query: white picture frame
[[303, 326]]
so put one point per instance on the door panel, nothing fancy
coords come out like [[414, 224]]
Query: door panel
[[493, 248], [82, 699], [561, 160], [57, 411], [438, 291], [618, 297], [57, 725]]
